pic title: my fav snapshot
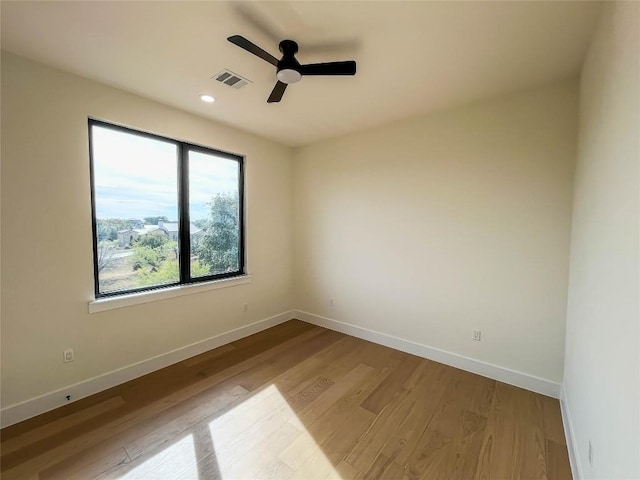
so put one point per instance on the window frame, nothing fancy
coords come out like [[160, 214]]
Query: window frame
[[184, 239]]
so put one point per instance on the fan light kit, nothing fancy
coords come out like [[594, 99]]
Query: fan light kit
[[288, 69], [207, 98], [288, 76]]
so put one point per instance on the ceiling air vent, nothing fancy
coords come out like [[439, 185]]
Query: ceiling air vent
[[232, 79]]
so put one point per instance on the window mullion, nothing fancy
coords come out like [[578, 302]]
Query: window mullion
[[183, 213], [241, 226]]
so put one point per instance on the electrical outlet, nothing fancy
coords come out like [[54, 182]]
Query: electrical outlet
[[245, 307], [477, 335], [590, 454], [68, 355], [331, 302]]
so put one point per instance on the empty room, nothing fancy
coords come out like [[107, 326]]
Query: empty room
[[320, 240]]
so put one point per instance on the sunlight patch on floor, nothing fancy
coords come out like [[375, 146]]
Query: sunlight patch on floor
[[259, 438], [263, 436], [172, 462]]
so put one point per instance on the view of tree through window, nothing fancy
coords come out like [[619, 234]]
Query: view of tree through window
[[215, 239], [139, 209]]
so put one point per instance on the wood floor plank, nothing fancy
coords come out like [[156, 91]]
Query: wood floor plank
[[344, 435], [59, 425], [298, 451], [429, 460], [557, 460], [163, 432], [297, 354], [500, 446], [295, 401], [313, 390], [408, 409], [531, 421], [384, 468], [462, 459], [316, 467], [552, 420], [209, 356], [345, 411], [96, 463], [320, 364], [229, 361], [249, 461], [431, 455], [387, 389], [482, 396], [337, 428], [364, 453], [276, 470], [429, 388], [22, 455], [346, 471], [324, 402]]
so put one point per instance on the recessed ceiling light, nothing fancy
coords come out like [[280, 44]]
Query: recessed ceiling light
[[207, 98]]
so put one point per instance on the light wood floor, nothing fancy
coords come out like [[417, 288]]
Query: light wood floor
[[296, 402]]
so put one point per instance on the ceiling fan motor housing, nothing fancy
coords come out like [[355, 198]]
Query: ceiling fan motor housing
[[288, 66], [288, 47]]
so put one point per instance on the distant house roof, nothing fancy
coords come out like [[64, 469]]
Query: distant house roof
[[162, 226], [168, 227], [147, 229], [140, 231], [173, 228]]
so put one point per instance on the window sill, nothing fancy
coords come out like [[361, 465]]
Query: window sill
[[110, 303]]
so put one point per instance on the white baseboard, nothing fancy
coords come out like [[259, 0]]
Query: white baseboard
[[35, 406], [574, 456], [506, 375]]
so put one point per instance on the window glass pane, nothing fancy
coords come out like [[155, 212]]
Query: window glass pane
[[136, 209], [214, 211]]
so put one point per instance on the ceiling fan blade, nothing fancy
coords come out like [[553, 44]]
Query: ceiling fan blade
[[253, 48], [277, 92], [330, 68]]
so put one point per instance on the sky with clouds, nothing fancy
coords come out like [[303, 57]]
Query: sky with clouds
[[137, 177]]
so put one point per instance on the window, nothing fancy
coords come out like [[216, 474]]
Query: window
[[165, 212]]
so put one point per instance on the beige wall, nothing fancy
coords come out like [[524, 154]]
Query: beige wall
[[602, 366], [47, 267], [428, 228]]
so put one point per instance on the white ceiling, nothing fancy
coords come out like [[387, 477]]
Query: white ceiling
[[413, 57]]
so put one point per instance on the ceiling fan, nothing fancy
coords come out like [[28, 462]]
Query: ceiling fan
[[288, 68]]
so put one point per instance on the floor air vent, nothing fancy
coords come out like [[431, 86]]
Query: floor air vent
[[232, 79]]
